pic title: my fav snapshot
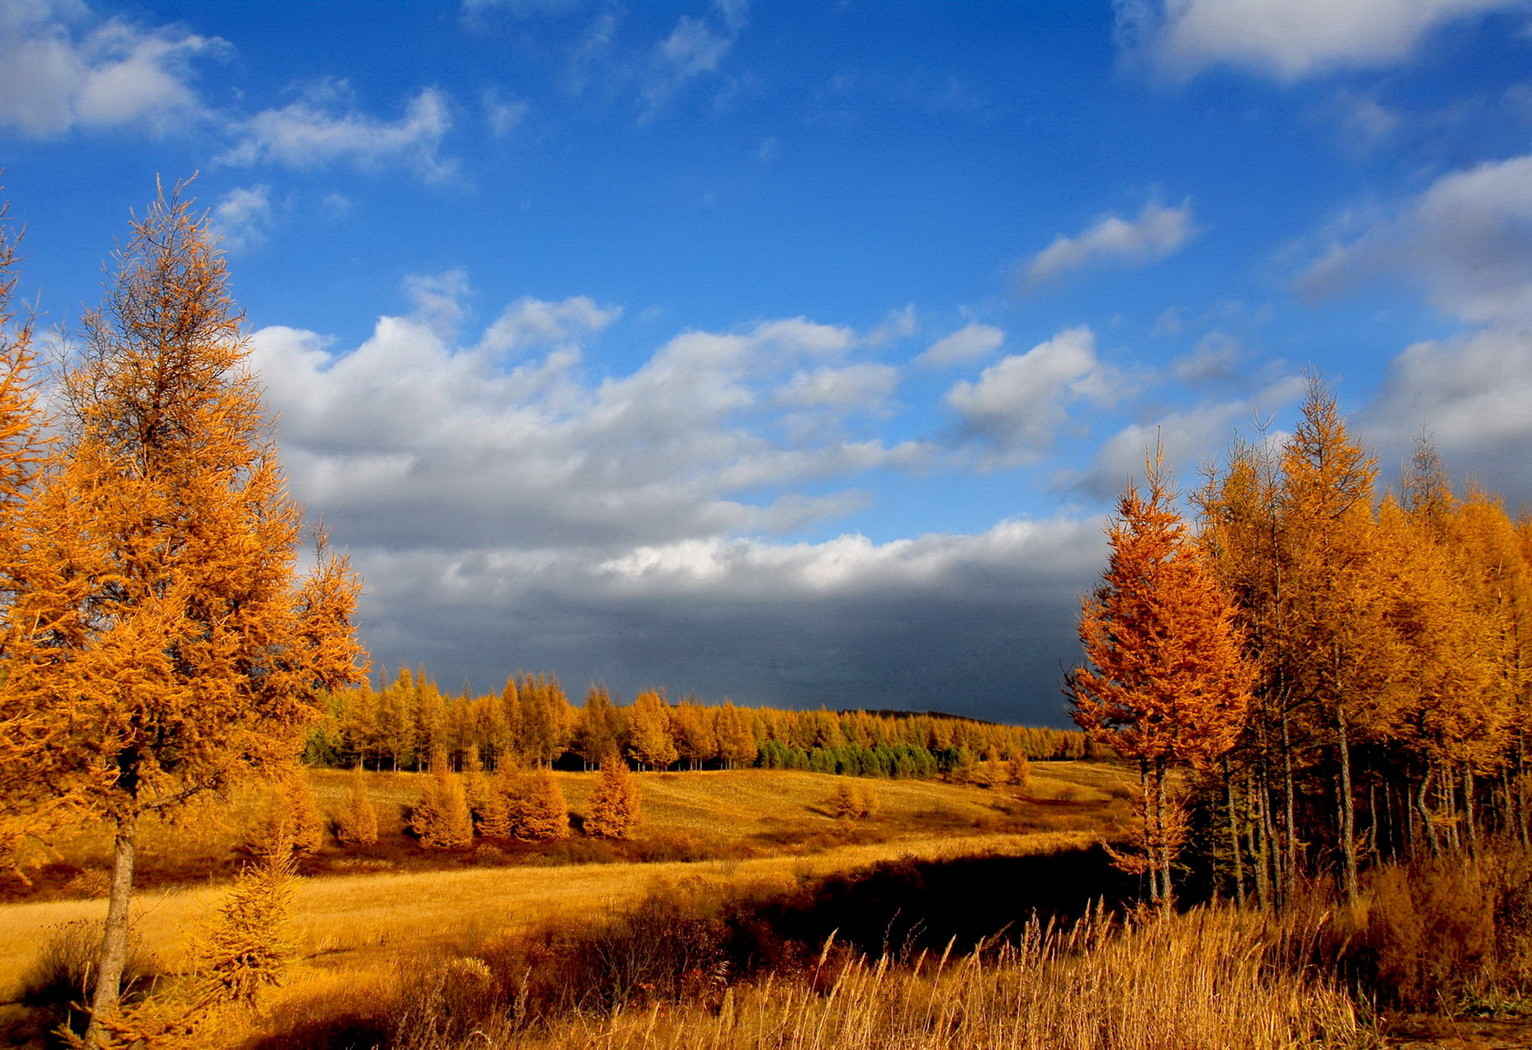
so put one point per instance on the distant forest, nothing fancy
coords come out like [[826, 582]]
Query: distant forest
[[532, 722]]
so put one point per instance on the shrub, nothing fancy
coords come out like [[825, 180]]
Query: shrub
[[843, 804], [1442, 933], [64, 970]]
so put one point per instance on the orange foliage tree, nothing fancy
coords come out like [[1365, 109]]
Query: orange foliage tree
[[159, 641], [614, 802], [1165, 682]]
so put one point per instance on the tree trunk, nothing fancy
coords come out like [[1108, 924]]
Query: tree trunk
[[1468, 810], [114, 941], [1239, 864], [1348, 811], [1166, 896], [1290, 862], [1372, 819], [1424, 809], [1449, 791], [1521, 790]]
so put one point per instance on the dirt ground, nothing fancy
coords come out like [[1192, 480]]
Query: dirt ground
[[1437, 1033]]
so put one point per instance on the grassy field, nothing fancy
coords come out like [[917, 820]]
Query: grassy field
[[774, 822], [686, 816]]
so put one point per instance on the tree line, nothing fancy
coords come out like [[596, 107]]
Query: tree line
[[531, 721], [1313, 676]]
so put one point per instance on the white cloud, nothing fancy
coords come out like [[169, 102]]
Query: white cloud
[[1471, 394], [972, 342], [735, 13], [529, 322], [242, 218], [1364, 120], [325, 127], [897, 324], [440, 299], [62, 70], [1157, 231], [336, 205], [847, 564], [1018, 405], [694, 47], [1283, 39], [503, 114], [591, 51], [409, 439], [1467, 239], [1215, 359], [1169, 322], [863, 387], [1189, 438], [511, 508]]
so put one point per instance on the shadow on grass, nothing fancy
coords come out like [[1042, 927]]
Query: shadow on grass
[[690, 940]]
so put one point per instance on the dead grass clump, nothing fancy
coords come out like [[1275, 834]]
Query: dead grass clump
[[1445, 933], [64, 970], [1205, 981]]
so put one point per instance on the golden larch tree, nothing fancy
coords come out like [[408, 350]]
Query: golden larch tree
[[20, 446], [20, 433], [357, 822], [160, 643], [441, 819], [537, 810], [649, 739], [614, 803], [1165, 681], [1337, 650]]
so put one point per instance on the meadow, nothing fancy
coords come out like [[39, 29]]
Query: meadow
[[358, 911]]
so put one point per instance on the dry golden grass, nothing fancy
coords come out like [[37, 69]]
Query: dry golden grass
[[350, 929], [1211, 980], [359, 920], [740, 805], [740, 812]]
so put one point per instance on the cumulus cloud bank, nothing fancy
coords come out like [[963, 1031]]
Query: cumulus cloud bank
[[1017, 406], [509, 511]]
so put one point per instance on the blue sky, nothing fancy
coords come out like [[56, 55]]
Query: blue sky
[[794, 352]]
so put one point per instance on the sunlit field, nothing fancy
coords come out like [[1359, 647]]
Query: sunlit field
[[361, 908]]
